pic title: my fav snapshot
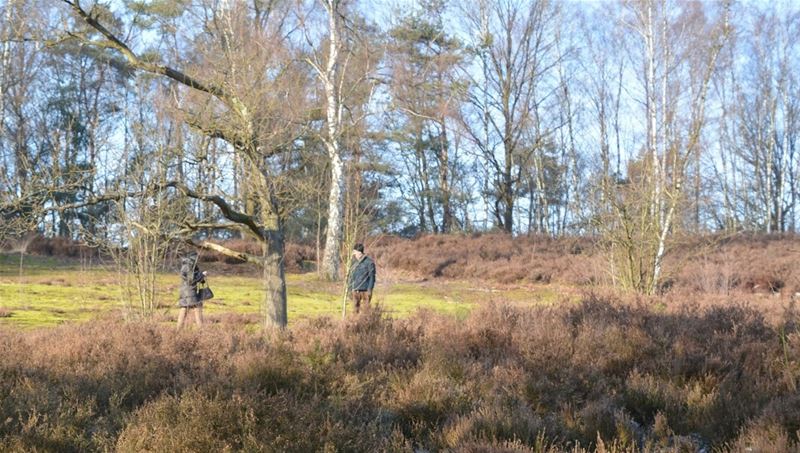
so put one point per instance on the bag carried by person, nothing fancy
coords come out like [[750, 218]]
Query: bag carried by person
[[204, 293]]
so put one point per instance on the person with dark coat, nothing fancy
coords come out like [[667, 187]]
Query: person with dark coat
[[362, 277], [188, 299]]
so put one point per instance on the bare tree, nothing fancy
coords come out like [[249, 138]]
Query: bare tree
[[502, 117], [148, 226], [426, 95], [678, 55], [761, 122], [343, 69], [329, 74], [246, 96]]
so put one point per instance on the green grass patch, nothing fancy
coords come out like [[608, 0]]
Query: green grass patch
[[51, 291]]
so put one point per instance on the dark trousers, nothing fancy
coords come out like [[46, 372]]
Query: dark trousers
[[361, 296]]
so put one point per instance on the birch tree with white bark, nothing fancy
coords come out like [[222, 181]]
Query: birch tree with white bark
[[674, 48]]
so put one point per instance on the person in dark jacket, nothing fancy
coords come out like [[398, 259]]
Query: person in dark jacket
[[191, 276], [362, 277]]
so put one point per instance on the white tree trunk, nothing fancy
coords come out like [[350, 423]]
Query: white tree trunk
[[769, 169], [330, 80], [333, 234], [786, 155], [4, 63], [650, 93]]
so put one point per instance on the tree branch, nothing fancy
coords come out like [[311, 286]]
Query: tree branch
[[206, 245], [112, 42], [227, 210], [215, 133], [90, 202]]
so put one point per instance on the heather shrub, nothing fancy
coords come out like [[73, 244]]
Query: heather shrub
[[191, 422], [270, 373], [764, 436], [421, 401], [697, 264], [713, 264], [60, 247], [495, 423], [600, 375], [744, 262], [372, 339], [255, 422], [494, 257], [506, 447]]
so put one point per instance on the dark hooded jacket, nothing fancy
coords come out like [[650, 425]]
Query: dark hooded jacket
[[190, 277], [362, 275]]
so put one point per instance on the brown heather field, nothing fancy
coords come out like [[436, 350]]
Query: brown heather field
[[713, 364], [710, 265], [713, 265]]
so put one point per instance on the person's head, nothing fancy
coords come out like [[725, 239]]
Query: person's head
[[358, 251], [189, 257]]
